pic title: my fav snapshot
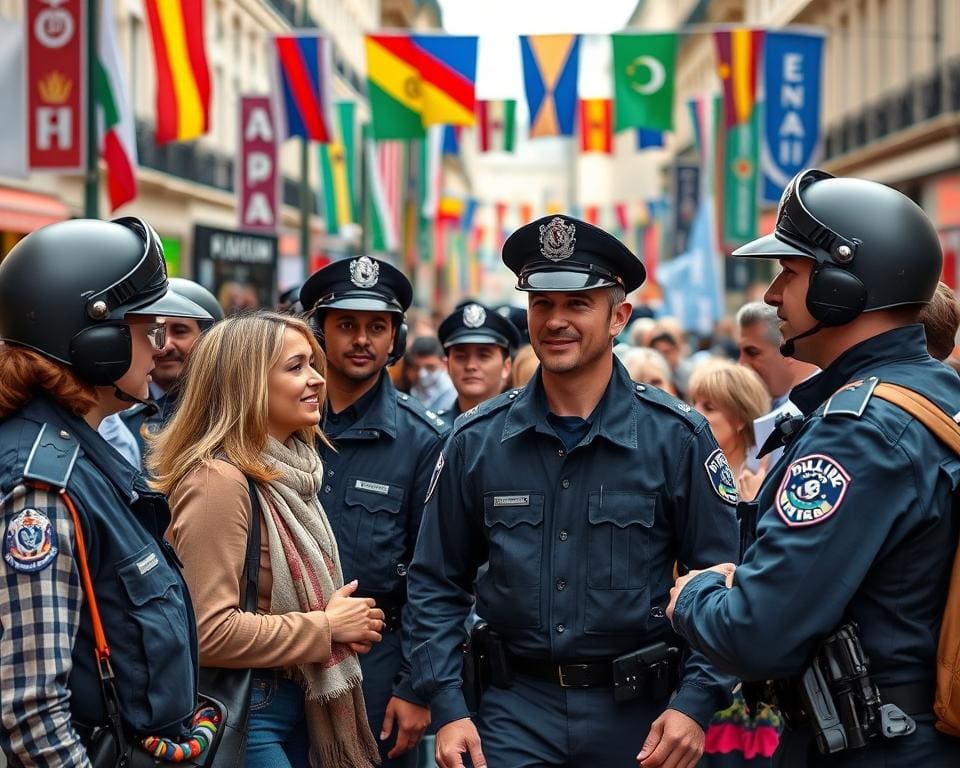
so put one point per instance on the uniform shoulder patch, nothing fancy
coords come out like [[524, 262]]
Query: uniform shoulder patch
[[487, 407], [414, 406], [851, 399], [30, 541], [668, 402], [721, 476], [812, 490]]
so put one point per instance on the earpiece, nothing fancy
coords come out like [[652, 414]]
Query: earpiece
[[835, 296], [102, 354]]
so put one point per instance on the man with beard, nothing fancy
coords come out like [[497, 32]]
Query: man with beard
[[478, 343], [182, 334], [383, 447], [582, 491]]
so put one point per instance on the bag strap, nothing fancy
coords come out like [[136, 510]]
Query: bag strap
[[252, 560], [924, 411]]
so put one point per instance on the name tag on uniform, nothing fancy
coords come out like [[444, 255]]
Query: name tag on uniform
[[147, 564], [365, 485], [511, 501]]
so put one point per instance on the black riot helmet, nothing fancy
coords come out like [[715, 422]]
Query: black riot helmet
[[198, 295], [874, 248], [66, 289]]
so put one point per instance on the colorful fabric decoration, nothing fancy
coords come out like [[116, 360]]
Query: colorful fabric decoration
[[206, 723]]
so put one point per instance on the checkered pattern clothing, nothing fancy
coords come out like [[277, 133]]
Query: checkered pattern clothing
[[38, 627]]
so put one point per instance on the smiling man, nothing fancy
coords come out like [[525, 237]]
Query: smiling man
[[581, 491]]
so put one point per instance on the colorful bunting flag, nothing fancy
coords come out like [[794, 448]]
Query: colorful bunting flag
[[591, 214], [649, 139], [447, 66], [596, 125], [497, 125], [180, 62], [384, 160], [526, 213], [550, 68], [738, 57], [118, 142], [643, 80], [303, 73], [451, 140], [337, 163]]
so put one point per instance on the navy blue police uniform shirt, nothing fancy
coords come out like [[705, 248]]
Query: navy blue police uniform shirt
[[375, 480], [855, 521], [581, 543]]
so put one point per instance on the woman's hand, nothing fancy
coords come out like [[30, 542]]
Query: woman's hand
[[748, 484], [354, 620]]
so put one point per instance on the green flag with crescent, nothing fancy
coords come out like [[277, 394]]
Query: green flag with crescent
[[643, 75]]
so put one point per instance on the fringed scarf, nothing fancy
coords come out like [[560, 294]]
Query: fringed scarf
[[306, 572]]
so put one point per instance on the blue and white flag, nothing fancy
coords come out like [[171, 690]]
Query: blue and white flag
[[791, 136]]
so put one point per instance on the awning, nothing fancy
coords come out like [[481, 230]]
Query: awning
[[26, 211]]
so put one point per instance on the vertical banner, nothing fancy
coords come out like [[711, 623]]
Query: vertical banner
[[686, 197], [56, 84], [740, 176], [258, 180], [239, 268], [791, 134]]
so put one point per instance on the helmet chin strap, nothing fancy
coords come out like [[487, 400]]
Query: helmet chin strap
[[128, 398], [788, 348]]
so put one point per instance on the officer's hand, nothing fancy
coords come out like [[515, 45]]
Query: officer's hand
[[411, 721], [353, 619], [454, 739], [674, 741], [727, 569]]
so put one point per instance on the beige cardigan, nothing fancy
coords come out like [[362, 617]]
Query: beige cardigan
[[210, 511]]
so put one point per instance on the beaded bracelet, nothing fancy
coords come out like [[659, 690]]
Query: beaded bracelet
[[206, 721]]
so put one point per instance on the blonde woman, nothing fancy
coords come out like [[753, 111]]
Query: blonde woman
[[648, 366], [525, 364], [250, 408]]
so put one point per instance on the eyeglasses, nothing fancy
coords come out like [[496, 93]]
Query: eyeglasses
[[157, 335]]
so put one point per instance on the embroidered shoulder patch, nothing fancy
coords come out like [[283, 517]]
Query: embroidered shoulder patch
[[721, 477], [435, 477], [30, 543], [811, 490]]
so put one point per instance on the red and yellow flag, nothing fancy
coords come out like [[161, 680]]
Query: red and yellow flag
[[738, 57], [596, 125], [183, 77]]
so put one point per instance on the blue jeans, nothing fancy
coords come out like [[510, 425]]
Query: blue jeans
[[277, 736]]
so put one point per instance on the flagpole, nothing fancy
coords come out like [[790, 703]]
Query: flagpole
[[91, 182], [364, 190]]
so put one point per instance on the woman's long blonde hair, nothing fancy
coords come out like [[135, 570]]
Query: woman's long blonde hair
[[223, 401]]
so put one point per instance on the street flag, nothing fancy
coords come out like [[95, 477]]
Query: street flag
[[337, 163], [550, 69], [432, 171], [738, 59], [447, 66], [304, 80], [643, 80], [180, 61], [591, 214], [526, 213], [451, 140], [596, 125], [115, 128], [791, 112], [497, 125], [649, 139], [741, 159], [500, 215]]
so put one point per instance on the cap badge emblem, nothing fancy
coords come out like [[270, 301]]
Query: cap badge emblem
[[474, 315], [364, 272], [557, 239]]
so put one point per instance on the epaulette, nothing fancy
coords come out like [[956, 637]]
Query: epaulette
[[485, 408], [52, 457], [668, 402], [851, 399], [415, 406]]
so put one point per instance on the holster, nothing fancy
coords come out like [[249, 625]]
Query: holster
[[484, 664], [650, 673]]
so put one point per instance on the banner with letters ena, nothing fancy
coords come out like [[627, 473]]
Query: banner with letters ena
[[792, 85]]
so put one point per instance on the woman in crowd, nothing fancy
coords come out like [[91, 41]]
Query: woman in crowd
[[648, 366], [525, 364], [250, 408], [730, 397]]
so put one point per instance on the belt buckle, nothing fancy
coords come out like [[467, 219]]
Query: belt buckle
[[561, 674]]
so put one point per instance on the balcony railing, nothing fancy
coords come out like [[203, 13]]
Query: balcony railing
[[923, 99]]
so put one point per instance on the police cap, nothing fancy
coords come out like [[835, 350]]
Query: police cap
[[474, 323], [363, 283], [560, 253]]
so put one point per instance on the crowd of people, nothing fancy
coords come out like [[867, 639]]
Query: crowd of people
[[569, 534]]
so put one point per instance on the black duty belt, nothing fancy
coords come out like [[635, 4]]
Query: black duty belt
[[588, 673], [912, 698]]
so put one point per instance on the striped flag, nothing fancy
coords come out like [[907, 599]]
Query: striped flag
[[337, 163], [451, 140], [183, 76], [497, 125], [118, 142], [448, 73], [550, 68], [738, 57], [385, 161], [303, 82], [596, 125]]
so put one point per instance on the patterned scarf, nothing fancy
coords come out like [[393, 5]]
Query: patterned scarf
[[306, 572]]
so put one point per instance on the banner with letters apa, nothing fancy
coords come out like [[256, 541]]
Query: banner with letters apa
[[792, 84]]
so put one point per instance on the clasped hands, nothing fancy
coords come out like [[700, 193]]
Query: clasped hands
[[727, 569]]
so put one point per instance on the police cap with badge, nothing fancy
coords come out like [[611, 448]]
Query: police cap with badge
[[561, 253], [474, 323]]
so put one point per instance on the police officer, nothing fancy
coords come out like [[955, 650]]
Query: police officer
[[582, 490], [182, 334], [857, 519], [79, 303], [478, 343], [384, 446]]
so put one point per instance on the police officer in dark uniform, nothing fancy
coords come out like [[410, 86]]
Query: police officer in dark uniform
[[182, 333], [384, 446], [478, 343], [582, 490], [857, 520], [79, 302]]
